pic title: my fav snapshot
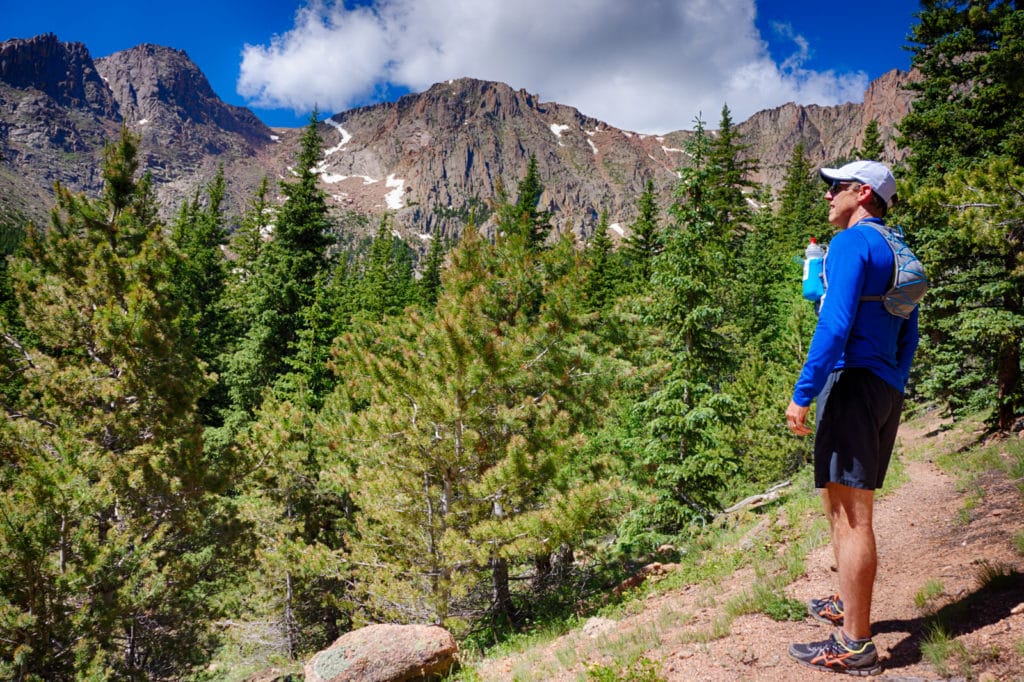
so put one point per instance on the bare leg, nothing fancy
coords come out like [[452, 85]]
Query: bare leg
[[853, 538], [831, 526]]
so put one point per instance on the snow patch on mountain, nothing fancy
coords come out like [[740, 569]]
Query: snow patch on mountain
[[345, 136], [331, 178], [394, 198], [558, 129]]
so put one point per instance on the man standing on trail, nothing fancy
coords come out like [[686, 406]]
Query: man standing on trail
[[857, 368]]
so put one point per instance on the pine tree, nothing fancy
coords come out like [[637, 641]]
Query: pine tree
[[295, 596], [282, 282], [727, 174], [966, 118], [429, 285], [732, 170], [775, 323], [200, 282], [645, 241], [105, 553], [466, 447], [682, 459], [802, 211], [768, 276], [12, 232], [248, 240], [523, 216], [603, 274], [309, 378], [386, 283], [872, 146], [966, 105], [975, 325]]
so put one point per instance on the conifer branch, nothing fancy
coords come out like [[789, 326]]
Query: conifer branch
[[17, 346], [531, 363], [964, 207], [39, 420]]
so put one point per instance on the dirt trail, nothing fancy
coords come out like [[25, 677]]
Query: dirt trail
[[923, 535]]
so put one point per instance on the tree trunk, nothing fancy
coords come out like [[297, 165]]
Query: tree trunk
[[1008, 379], [500, 594], [289, 629], [564, 559], [542, 566]]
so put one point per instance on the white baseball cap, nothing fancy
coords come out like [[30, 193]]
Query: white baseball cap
[[875, 175]]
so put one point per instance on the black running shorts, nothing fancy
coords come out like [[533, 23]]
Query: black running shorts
[[858, 415]]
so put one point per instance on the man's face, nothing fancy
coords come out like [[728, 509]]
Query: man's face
[[843, 199]]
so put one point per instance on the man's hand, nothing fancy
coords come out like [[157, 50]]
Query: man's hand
[[796, 419]]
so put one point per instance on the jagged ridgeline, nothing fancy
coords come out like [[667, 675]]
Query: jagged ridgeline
[[432, 160]]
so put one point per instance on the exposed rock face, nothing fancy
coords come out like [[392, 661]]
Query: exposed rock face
[[430, 160], [55, 112], [162, 92], [186, 131], [58, 108], [448, 150], [63, 71], [828, 133], [385, 653]]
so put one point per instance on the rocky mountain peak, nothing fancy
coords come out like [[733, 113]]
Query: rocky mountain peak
[[828, 133], [448, 149], [63, 71], [162, 87]]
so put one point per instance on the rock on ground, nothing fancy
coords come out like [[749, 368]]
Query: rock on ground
[[385, 653]]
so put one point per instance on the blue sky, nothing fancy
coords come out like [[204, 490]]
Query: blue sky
[[643, 65]]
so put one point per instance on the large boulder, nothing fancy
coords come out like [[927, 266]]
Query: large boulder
[[385, 653]]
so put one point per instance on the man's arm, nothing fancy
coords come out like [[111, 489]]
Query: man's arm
[[845, 270]]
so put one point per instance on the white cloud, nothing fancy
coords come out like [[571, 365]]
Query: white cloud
[[649, 66]]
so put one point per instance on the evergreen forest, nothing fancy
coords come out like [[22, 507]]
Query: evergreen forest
[[208, 458]]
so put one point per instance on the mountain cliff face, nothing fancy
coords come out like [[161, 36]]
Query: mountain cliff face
[[55, 112], [167, 97], [58, 108], [63, 71], [435, 156], [828, 133], [430, 160]]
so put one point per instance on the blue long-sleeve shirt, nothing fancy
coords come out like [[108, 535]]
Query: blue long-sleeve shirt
[[855, 333]]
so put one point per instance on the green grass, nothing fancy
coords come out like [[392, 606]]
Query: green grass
[[520, 642], [669, 618], [803, 529], [932, 590], [942, 651], [1018, 543], [779, 607], [968, 459], [640, 669], [996, 576], [720, 627]]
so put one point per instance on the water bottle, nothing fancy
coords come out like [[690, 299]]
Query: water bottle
[[814, 260]]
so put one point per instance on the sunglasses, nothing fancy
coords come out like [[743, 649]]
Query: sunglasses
[[837, 186]]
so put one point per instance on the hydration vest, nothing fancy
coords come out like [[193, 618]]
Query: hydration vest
[[909, 283]]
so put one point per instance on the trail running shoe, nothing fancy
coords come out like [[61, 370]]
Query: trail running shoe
[[828, 610], [835, 655]]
